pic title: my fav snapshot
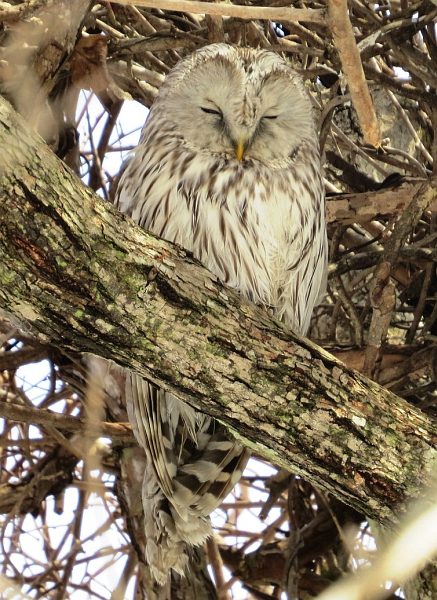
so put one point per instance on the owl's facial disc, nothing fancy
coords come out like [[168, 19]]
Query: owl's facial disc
[[239, 112]]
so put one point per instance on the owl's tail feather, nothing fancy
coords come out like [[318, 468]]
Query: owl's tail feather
[[166, 542], [193, 467]]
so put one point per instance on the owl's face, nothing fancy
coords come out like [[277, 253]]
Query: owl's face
[[239, 103]]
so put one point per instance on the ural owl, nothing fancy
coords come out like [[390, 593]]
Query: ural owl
[[227, 166]]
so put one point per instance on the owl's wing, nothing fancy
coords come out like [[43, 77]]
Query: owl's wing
[[144, 410], [194, 461], [305, 272]]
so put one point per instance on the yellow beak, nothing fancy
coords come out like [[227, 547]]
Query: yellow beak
[[239, 150]]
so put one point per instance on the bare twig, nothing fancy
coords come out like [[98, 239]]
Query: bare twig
[[308, 15], [217, 567], [24, 414]]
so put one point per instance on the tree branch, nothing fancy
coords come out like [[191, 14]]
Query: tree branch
[[344, 40], [366, 206], [280, 13], [48, 418], [83, 277]]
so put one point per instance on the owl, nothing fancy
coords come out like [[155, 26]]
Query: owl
[[227, 166]]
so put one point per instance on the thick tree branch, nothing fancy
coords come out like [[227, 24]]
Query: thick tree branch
[[85, 278]]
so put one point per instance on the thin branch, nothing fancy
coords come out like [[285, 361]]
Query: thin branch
[[383, 297], [38, 416], [308, 15]]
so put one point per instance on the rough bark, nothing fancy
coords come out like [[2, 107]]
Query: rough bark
[[85, 278]]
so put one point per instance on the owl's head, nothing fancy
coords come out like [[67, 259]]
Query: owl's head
[[238, 103]]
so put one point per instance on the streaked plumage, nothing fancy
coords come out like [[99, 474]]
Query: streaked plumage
[[255, 220]]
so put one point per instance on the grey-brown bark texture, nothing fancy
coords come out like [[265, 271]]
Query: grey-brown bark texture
[[81, 276]]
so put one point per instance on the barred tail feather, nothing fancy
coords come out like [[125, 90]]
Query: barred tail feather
[[166, 544], [193, 466]]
